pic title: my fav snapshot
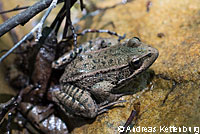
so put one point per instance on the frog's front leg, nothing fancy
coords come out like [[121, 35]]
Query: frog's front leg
[[103, 92]]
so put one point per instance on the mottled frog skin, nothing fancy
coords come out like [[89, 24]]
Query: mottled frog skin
[[92, 80]]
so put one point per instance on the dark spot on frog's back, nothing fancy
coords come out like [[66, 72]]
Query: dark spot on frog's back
[[94, 67], [96, 61], [110, 61], [89, 56], [80, 58], [106, 51], [103, 63], [85, 65]]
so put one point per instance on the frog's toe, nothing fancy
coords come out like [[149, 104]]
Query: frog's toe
[[105, 107]]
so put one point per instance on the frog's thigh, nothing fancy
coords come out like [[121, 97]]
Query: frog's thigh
[[102, 91], [75, 101]]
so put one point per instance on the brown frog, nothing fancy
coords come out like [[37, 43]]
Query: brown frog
[[93, 79]]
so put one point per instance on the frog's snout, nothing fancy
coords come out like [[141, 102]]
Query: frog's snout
[[150, 57], [154, 53]]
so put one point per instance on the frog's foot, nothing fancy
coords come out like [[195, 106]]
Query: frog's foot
[[103, 107], [74, 101], [46, 121]]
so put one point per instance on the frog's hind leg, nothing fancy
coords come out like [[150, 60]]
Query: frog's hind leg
[[74, 101]]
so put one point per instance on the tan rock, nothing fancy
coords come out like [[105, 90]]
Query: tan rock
[[173, 28]]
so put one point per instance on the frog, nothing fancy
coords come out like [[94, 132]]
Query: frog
[[31, 104], [94, 79]]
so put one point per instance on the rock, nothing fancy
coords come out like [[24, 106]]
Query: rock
[[173, 28]]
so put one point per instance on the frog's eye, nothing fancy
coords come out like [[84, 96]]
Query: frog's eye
[[134, 42], [135, 64]]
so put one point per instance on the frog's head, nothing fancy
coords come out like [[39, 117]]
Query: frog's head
[[140, 57]]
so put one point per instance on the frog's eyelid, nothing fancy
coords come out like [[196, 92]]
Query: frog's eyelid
[[137, 38]]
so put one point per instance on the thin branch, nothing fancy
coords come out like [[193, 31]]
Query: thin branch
[[24, 16], [99, 10], [44, 17], [12, 32], [14, 9], [37, 28]]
